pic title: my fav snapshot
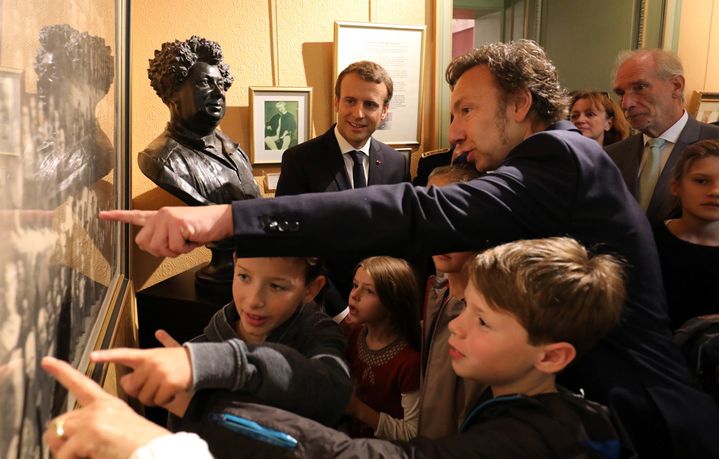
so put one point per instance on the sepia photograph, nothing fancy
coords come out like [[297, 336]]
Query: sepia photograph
[[279, 119]]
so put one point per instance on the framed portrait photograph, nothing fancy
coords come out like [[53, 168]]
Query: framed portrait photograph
[[10, 111], [279, 119], [400, 50]]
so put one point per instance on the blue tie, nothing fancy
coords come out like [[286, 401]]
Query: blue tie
[[358, 169]]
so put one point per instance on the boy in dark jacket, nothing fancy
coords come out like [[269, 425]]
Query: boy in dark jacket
[[269, 345]]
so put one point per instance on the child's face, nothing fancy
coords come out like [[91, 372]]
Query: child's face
[[490, 346], [698, 189], [451, 262], [364, 303], [267, 291]]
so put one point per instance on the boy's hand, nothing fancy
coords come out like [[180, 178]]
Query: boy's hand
[[158, 374]]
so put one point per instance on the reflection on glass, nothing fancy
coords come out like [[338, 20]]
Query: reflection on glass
[[56, 258]]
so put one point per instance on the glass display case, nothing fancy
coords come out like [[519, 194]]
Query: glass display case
[[63, 157]]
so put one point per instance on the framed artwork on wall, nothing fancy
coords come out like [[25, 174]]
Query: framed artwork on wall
[[279, 119], [400, 50], [705, 106], [11, 90]]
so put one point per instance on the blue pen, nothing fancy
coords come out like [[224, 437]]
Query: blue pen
[[254, 430]]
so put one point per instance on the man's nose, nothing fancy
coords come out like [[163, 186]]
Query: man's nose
[[626, 101], [358, 111], [456, 134]]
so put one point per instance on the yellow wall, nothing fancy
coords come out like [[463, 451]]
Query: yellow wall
[[296, 35], [699, 45]]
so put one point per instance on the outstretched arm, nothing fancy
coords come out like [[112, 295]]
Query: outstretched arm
[[172, 231]]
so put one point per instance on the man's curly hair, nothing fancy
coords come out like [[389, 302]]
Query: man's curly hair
[[518, 65], [173, 62], [79, 56]]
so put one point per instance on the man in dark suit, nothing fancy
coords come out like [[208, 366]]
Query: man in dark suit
[[546, 180], [327, 163], [362, 94], [650, 86]]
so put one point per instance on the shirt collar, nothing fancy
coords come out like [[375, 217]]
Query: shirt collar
[[672, 134], [345, 146]]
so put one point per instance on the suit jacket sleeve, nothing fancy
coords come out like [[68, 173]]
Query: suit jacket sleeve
[[532, 193]]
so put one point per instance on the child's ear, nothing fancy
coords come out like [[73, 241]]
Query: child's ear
[[555, 357], [313, 288], [674, 187]]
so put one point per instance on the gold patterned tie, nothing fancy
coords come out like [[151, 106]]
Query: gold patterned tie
[[650, 172]]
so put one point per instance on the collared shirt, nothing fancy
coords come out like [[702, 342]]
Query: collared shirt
[[671, 135], [345, 148]]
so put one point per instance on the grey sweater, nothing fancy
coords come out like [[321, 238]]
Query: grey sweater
[[299, 368]]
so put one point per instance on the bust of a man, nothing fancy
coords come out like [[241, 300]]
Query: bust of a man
[[192, 158], [75, 71]]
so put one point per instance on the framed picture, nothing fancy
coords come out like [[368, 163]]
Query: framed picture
[[10, 111], [400, 50], [705, 106], [279, 119]]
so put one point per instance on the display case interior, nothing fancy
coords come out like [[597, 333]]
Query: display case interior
[[62, 160]]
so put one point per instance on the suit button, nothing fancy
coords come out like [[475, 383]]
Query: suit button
[[273, 226], [284, 225]]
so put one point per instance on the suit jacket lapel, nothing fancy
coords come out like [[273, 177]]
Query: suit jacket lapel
[[662, 200], [376, 158], [335, 164]]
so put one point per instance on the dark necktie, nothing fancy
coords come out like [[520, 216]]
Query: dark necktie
[[358, 169]]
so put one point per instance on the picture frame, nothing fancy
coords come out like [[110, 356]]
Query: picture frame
[[271, 179], [400, 50], [704, 106], [270, 108], [11, 91]]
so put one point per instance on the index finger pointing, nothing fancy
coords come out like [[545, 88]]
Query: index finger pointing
[[122, 355], [83, 388], [133, 217]]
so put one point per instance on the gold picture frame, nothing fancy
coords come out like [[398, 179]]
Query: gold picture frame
[[704, 106]]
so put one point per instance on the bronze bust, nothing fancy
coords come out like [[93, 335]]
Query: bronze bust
[[192, 159]]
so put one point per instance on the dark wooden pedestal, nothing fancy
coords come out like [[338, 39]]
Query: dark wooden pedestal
[[180, 307]]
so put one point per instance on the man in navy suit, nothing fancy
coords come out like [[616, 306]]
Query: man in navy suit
[[650, 86], [327, 163], [545, 180]]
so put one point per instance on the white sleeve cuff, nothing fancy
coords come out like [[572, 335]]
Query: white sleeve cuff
[[341, 316], [403, 429], [181, 445]]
